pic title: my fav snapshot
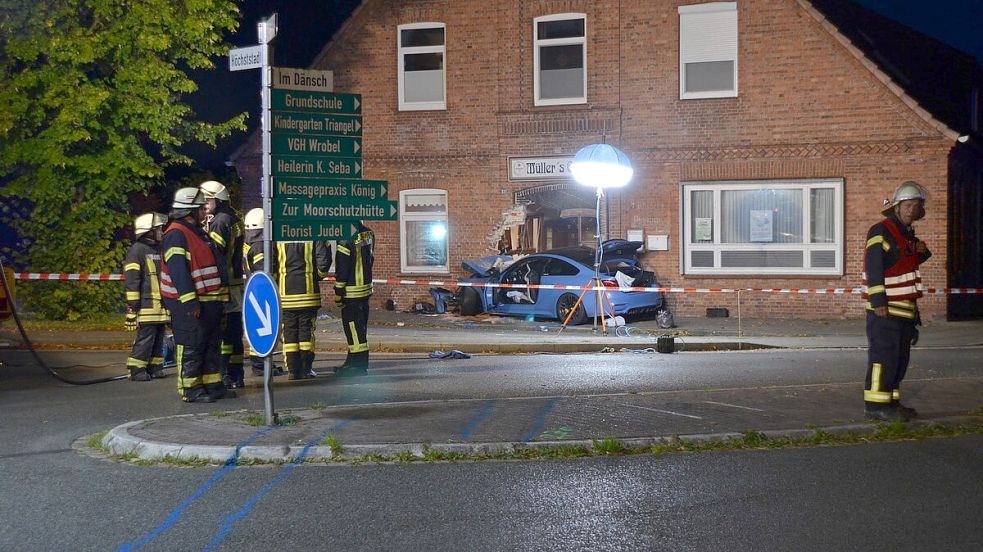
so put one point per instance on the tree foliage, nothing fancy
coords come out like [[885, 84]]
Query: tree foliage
[[91, 110]]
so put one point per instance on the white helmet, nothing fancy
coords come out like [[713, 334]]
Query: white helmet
[[907, 190], [254, 219], [147, 222], [188, 198], [213, 189]]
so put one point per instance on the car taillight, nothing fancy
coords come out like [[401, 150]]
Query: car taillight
[[610, 284]]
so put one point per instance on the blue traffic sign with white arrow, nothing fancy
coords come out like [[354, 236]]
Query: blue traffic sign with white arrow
[[261, 313]]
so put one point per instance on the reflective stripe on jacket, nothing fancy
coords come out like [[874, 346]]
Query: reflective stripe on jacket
[[299, 268], [141, 269], [353, 266]]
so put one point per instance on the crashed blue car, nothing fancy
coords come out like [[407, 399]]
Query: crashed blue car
[[571, 266]]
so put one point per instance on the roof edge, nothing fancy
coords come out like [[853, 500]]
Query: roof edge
[[880, 75]]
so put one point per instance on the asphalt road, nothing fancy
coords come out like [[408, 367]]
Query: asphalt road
[[921, 495]]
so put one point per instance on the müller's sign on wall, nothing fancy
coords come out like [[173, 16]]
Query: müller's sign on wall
[[539, 168]]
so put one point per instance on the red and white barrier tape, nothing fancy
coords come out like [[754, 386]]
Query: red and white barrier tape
[[447, 283]]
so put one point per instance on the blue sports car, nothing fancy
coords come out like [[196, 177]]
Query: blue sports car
[[572, 266]]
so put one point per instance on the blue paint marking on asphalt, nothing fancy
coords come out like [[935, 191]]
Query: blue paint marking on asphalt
[[540, 422], [230, 520], [476, 419], [175, 514]]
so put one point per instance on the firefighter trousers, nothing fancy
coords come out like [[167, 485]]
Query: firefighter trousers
[[355, 321], [298, 340], [147, 354], [198, 345], [232, 349], [889, 349]]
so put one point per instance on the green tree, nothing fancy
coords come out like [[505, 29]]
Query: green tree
[[91, 109]]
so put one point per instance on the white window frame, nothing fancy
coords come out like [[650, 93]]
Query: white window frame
[[687, 246], [537, 44], [707, 33], [401, 52], [406, 216]]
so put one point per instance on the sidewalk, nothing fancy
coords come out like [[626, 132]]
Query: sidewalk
[[415, 333]]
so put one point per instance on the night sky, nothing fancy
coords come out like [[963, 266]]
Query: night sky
[[306, 25]]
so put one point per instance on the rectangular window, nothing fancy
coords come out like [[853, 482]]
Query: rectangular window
[[708, 50], [560, 59], [423, 231], [421, 52], [763, 227]]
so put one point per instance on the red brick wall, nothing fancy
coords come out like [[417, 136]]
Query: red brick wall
[[806, 108]]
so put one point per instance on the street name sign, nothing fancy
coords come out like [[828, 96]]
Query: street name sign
[[261, 313], [303, 79], [319, 102], [250, 57]]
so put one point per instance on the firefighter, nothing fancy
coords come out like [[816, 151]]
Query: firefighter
[[193, 284], [144, 309], [252, 256], [225, 230], [299, 268], [353, 287], [892, 285]]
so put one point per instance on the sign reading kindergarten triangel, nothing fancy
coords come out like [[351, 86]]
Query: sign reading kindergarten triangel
[[316, 155]]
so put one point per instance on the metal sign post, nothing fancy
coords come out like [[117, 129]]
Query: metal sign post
[[261, 57]]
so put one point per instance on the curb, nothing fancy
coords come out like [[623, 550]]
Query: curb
[[119, 441]]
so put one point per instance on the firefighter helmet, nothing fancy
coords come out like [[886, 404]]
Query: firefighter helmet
[[906, 191], [147, 222], [254, 219], [214, 189], [188, 198]]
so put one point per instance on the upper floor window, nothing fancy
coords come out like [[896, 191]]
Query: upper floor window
[[423, 230], [421, 52], [560, 63], [708, 50]]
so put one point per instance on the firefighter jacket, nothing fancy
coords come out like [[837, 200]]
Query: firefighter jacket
[[891, 275], [299, 267], [225, 230], [252, 250], [141, 270], [353, 266], [192, 268]]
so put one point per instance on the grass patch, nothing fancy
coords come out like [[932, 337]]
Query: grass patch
[[318, 406], [255, 419], [609, 446], [287, 420], [333, 444], [95, 441], [218, 413]]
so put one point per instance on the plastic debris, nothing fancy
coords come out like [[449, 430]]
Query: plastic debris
[[453, 353]]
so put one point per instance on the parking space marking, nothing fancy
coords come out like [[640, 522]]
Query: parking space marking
[[662, 411], [735, 406], [537, 427], [482, 413]]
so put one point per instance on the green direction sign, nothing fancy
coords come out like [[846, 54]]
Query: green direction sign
[[314, 229], [285, 209], [324, 207], [329, 188], [317, 167], [317, 102], [316, 124], [317, 145]]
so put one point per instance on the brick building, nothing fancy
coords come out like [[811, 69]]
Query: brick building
[[763, 141]]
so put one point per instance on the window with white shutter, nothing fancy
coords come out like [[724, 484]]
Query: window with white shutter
[[423, 231], [560, 59], [708, 50]]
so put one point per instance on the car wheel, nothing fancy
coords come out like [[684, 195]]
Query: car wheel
[[563, 306], [469, 302]]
